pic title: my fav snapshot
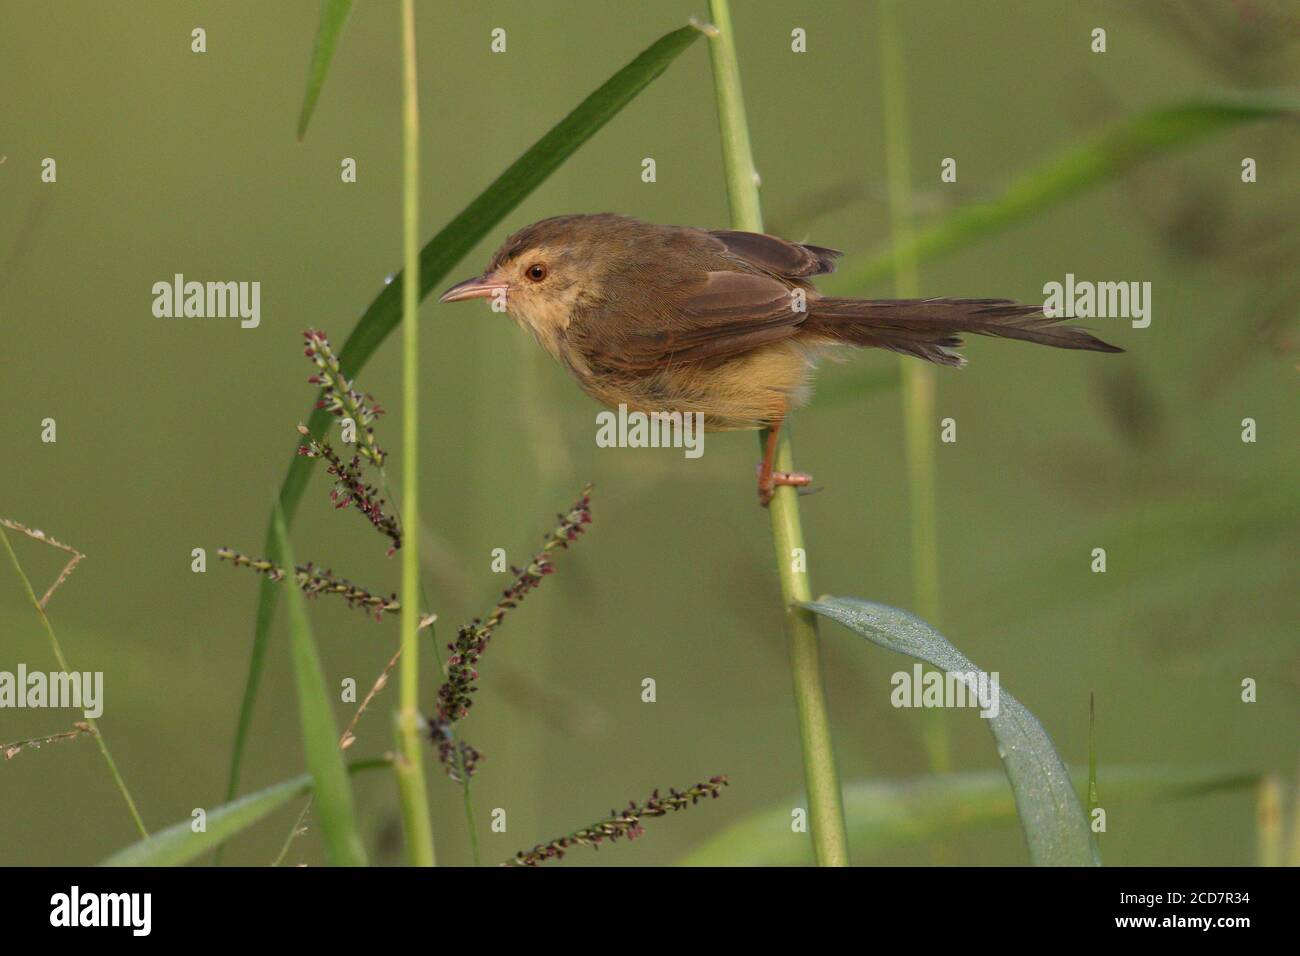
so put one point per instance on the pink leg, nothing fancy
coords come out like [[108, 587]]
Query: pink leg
[[769, 480]]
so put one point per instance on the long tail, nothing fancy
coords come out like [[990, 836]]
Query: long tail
[[931, 328]]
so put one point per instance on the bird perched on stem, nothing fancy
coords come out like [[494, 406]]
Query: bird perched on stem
[[724, 323]]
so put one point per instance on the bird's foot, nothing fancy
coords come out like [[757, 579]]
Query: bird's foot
[[767, 484]]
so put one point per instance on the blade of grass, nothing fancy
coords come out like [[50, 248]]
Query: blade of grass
[[438, 256], [917, 377], [319, 734], [883, 814], [409, 765], [825, 812], [179, 844], [333, 16], [1051, 816], [1076, 169], [63, 665]]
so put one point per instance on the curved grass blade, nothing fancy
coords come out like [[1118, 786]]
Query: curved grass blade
[[319, 733], [333, 15], [882, 814], [179, 844], [1098, 160], [438, 256], [1050, 813]]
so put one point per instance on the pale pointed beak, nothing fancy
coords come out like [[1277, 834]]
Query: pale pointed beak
[[480, 287]]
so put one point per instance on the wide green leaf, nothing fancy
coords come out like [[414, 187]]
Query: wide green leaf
[[1093, 162], [319, 734], [179, 844], [881, 814], [437, 258], [1055, 826], [333, 15]]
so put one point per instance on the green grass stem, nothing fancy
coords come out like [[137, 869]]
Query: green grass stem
[[409, 767], [825, 809], [919, 420]]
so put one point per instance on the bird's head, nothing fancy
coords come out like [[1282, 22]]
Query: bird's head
[[542, 272]]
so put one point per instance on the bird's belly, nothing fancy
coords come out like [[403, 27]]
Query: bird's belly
[[744, 392]]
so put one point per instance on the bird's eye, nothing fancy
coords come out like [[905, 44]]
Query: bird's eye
[[536, 272]]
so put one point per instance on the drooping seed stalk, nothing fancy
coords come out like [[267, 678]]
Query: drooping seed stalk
[[63, 665], [825, 806]]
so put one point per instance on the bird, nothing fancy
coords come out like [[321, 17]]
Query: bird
[[724, 323]]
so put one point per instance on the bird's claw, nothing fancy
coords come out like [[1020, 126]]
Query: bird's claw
[[767, 484]]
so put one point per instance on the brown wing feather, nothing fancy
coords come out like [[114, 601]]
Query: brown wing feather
[[790, 260], [729, 313]]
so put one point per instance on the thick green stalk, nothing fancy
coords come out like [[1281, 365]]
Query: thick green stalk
[[63, 665], [918, 377], [410, 763], [825, 807], [737, 156]]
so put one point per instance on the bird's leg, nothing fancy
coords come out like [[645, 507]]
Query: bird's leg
[[768, 480]]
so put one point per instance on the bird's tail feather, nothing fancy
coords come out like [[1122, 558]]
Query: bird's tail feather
[[931, 328]]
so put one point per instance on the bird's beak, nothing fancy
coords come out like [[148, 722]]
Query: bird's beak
[[480, 287]]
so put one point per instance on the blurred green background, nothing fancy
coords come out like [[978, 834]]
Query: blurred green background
[[173, 434]]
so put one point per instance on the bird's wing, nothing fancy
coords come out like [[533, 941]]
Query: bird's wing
[[777, 257], [726, 314]]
